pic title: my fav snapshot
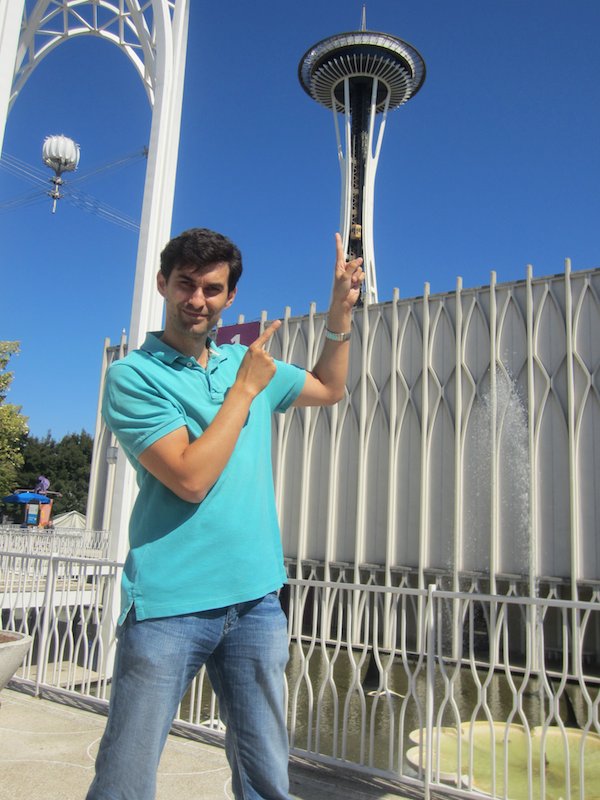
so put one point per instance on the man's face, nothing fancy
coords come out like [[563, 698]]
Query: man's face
[[195, 298]]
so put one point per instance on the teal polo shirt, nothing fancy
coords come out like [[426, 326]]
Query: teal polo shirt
[[187, 557]]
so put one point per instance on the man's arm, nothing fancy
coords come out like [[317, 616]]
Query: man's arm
[[190, 469], [325, 383]]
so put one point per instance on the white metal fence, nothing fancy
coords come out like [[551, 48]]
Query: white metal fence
[[467, 710], [436, 689], [47, 541], [66, 604]]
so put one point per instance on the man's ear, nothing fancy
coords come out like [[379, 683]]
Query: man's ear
[[161, 283], [230, 297]]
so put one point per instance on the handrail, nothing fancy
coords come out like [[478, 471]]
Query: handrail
[[356, 675]]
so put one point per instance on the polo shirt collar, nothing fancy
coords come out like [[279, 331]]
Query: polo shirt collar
[[155, 346]]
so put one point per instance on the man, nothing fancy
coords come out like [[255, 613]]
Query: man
[[205, 563]]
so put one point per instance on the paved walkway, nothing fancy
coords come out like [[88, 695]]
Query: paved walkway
[[47, 752]]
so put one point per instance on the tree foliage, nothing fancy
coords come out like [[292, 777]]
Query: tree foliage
[[66, 464], [24, 458], [13, 425]]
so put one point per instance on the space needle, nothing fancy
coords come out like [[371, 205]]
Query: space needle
[[359, 75]]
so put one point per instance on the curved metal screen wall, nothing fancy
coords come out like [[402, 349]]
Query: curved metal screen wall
[[467, 448]]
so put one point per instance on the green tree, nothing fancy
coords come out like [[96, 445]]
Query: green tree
[[66, 464], [13, 425]]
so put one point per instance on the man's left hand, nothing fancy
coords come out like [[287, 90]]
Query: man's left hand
[[348, 278]]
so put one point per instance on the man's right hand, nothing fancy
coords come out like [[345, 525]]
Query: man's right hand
[[257, 367]]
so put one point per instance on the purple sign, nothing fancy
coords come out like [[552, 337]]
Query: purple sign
[[246, 333]]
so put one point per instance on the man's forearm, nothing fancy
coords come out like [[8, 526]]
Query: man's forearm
[[332, 367], [190, 469], [326, 381]]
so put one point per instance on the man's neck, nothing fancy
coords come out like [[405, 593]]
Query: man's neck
[[195, 347]]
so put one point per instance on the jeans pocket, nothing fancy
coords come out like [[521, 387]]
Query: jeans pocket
[[130, 619]]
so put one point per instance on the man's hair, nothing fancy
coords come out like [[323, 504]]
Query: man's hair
[[199, 248]]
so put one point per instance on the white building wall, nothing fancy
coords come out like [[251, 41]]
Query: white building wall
[[435, 466], [433, 460]]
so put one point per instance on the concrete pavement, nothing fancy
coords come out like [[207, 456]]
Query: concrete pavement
[[47, 752]]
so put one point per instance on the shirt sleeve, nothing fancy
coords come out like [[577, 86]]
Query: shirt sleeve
[[285, 385], [283, 388], [134, 410]]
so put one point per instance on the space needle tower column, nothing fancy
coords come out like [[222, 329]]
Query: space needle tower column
[[359, 75]]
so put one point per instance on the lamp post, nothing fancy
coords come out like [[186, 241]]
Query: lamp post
[[61, 154]]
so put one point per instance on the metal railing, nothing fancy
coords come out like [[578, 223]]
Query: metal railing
[[74, 542], [452, 691], [66, 604], [483, 707]]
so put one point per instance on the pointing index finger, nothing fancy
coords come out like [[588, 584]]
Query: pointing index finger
[[339, 249], [340, 256], [267, 334]]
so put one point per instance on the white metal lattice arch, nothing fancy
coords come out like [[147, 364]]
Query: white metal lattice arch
[[127, 24], [153, 36]]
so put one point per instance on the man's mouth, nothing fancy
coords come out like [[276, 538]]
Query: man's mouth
[[194, 314]]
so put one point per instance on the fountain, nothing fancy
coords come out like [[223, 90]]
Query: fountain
[[498, 483]]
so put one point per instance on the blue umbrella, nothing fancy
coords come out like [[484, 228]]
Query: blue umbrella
[[26, 497]]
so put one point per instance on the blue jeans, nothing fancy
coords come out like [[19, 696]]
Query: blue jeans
[[245, 649]]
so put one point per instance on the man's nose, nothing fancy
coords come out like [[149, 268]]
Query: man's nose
[[197, 297]]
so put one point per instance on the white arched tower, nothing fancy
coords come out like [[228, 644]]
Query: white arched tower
[[153, 35]]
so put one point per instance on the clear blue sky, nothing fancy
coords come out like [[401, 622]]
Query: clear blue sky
[[493, 165]]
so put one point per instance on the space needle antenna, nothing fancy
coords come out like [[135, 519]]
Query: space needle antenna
[[360, 76]]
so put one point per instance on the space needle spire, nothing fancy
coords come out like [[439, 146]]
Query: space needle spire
[[359, 75]]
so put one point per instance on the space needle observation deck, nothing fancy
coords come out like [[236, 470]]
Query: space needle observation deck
[[359, 75]]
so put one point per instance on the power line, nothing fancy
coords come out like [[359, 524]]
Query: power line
[[77, 197]]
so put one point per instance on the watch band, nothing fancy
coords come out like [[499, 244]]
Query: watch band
[[337, 337]]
